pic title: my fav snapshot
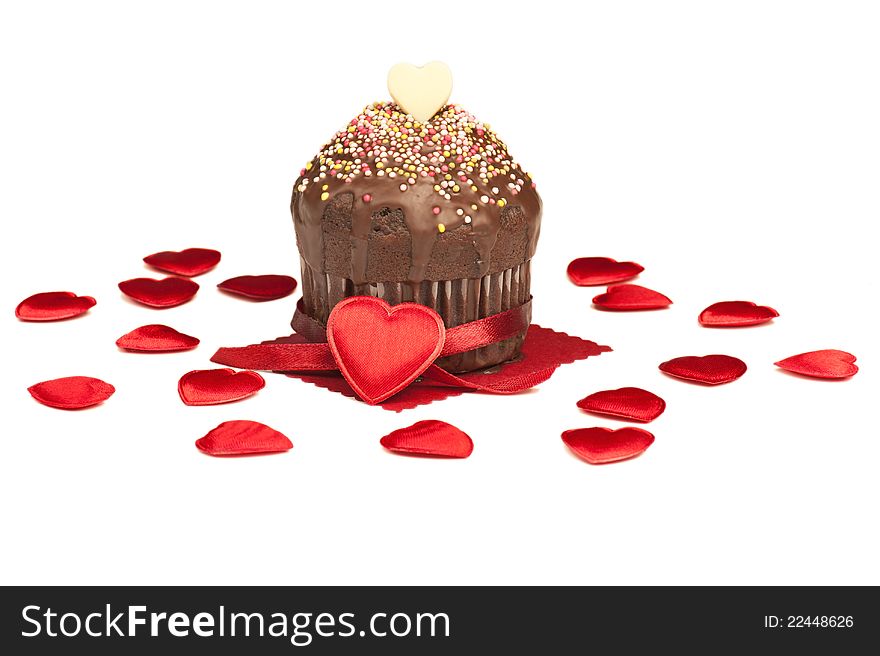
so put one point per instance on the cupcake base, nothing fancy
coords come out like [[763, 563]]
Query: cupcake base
[[456, 301]]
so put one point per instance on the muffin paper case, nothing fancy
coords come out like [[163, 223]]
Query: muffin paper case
[[434, 212], [456, 301]]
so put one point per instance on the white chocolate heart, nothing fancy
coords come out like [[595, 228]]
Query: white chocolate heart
[[420, 90]]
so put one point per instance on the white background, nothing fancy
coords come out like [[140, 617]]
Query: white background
[[730, 148]]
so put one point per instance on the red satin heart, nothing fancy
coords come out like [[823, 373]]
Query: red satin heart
[[599, 446], [827, 363], [708, 369], [156, 338], [381, 349], [731, 314], [72, 393], [189, 262], [262, 288], [626, 402], [430, 438], [53, 306], [165, 293], [592, 271], [242, 437], [215, 386], [631, 297]]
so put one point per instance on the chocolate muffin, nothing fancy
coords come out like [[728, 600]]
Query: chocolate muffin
[[435, 213]]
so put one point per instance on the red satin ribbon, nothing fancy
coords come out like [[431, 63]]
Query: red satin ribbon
[[277, 357], [466, 337], [316, 355]]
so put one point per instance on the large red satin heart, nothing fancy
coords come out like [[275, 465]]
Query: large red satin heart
[[622, 298], [156, 338], [708, 369], [731, 314], [215, 386], [165, 293], [189, 262], [381, 349], [241, 438], [599, 446], [827, 363], [53, 306], [592, 271], [430, 438], [260, 288], [72, 393], [626, 402]]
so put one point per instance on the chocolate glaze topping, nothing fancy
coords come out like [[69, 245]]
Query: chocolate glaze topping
[[450, 178]]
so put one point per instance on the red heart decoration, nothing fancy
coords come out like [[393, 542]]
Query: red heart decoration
[[429, 438], [827, 363], [165, 293], [53, 306], [215, 386], [592, 271], [631, 297], [189, 262], [381, 349], [156, 338], [72, 393], [731, 314], [709, 369], [262, 288], [599, 446], [626, 402], [242, 437]]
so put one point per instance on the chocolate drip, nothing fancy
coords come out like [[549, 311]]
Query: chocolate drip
[[416, 205]]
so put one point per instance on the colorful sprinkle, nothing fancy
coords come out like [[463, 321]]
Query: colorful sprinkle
[[453, 151], [367, 198], [441, 228]]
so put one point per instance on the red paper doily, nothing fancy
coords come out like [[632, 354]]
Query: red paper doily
[[543, 349]]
